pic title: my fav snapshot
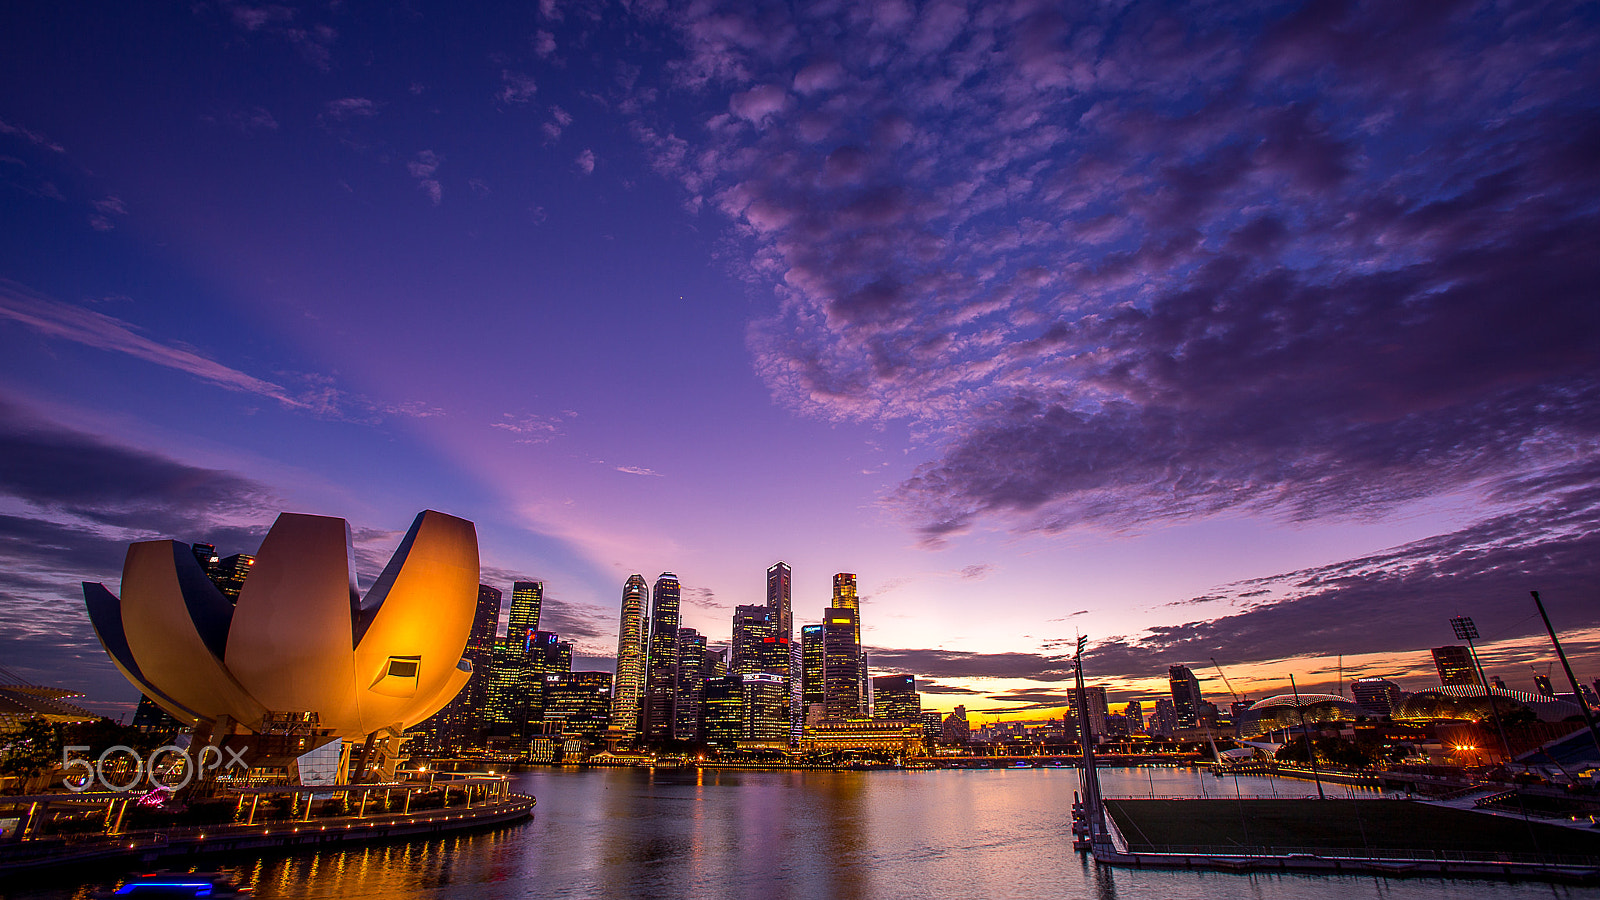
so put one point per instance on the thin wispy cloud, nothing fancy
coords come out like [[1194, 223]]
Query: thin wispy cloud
[[534, 429], [638, 470], [54, 319]]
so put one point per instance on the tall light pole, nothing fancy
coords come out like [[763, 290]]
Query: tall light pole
[[1467, 631], [1577, 692]]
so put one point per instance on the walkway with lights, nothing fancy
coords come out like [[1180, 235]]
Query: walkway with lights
[[481, 803]]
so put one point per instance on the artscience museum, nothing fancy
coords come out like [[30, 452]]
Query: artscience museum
[[302, 663]]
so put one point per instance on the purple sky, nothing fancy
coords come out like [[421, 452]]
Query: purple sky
[[1262, 332]]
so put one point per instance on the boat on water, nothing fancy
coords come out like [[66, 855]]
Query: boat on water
[[162, 885]]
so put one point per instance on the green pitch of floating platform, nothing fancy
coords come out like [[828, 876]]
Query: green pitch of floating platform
[[1291, 826]]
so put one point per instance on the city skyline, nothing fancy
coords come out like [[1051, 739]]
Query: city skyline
[[1263, 335]]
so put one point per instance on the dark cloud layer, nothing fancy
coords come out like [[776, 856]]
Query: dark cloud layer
[[74, 502], [943, 664], [1132, 263], [1401, 599]]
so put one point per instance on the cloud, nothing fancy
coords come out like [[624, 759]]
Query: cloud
[[585, 162], [313, 41], [559, 120], [54, 319], [638, 470], [348, 108], [74, 501], [515, 87], [422, 168], [31, 136], [532, 429], [961, 664], [1399, 600], [1130, 268], [544, 44], [977, 571]]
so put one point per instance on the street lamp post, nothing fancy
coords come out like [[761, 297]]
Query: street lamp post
[[1466, 631]]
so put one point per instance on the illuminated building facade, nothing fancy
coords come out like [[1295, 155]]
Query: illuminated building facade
[[1378, 696], [526, 599], [751, 625], [812, 693], [896, 697], [1186, 697], [629, 689], [691, 684], [1455, 666], [841, 663], [298, 643], [230, 573], [578, 703], [661, 667]]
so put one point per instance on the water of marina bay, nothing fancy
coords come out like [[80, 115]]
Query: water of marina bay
[[774, 835]]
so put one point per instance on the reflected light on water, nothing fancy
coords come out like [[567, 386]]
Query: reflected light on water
[[753, 835]]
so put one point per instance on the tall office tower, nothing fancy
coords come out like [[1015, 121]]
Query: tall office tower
[[1095, 702], [751, 625], [766, 708], [459, 723], [578, 702], [845, 597], [152, 719], [526, 598], [1376, 695], [691, 684], [896, 697], [1455, 666], [955, 729], [1134, 713], [1165, 719], [1542, 686], [545, 654], [206, 556], [629, 688], [717, 663], [932, 726], [812, 692], [230, 573], [841, 663], [724, 711], [1497, 682], [1185, 696], [779, 583], [661, 668]]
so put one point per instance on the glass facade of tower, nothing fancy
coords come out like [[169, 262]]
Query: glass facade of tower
[[811, 661], [578, 703], [661, 668], [751, 626], [1455, 666], [779, 586], [628, 691], [896, 697], [691, 684], [1185, 696], [526, 599], [841, 663]]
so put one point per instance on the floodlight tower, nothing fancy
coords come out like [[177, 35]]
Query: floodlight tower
[[1467, 631]]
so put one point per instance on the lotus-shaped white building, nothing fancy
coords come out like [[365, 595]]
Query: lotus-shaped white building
[[301, 639]]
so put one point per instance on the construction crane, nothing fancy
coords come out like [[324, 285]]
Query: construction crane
[[1236, 697]]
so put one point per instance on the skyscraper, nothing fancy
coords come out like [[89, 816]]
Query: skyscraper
[[1455, 666], [896, 697], [779, 585], [1376, 695], [751, 626], [845, 597], [841, 663], [526, 598], [629, 688], [812, 693], [661, 668], [691, 684], [465, 716], [1185, 696]]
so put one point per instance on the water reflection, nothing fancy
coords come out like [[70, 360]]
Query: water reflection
[[742, 835]]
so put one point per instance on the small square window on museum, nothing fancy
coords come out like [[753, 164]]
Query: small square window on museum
[[403, 666]]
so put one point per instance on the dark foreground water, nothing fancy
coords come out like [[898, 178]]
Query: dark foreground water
[[631, 833]]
